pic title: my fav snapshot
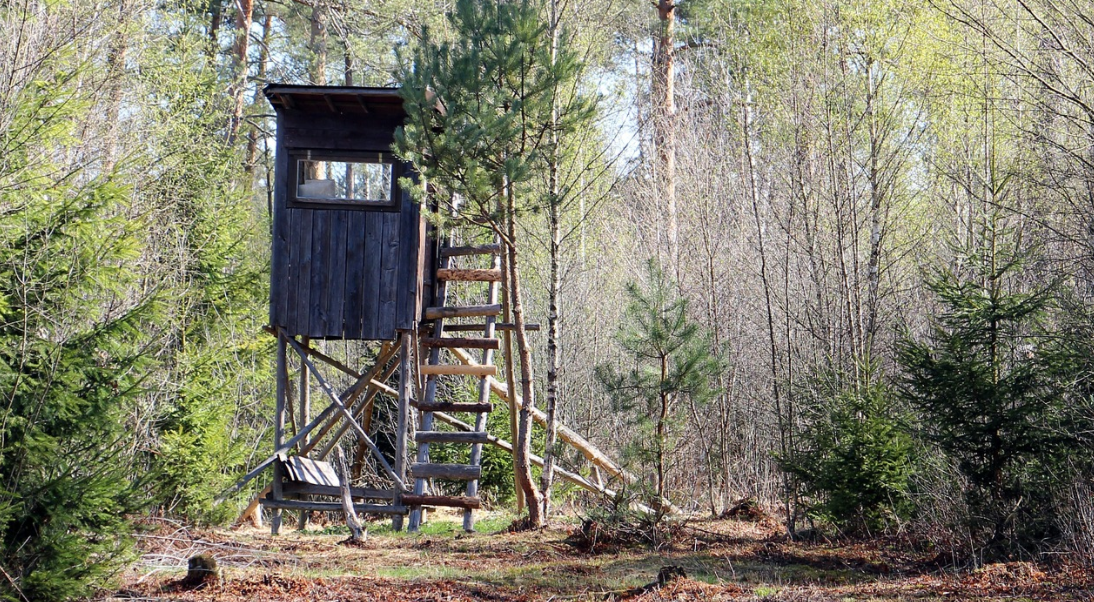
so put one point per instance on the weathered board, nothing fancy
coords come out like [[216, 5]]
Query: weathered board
[[306, 470], [341, 271]]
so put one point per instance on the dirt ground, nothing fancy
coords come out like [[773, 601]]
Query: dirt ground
[[723, 560]]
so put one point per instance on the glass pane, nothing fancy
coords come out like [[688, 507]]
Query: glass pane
[[344, 181]]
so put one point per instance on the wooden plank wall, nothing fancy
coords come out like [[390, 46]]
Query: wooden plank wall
[[348, 274], [341, 273]]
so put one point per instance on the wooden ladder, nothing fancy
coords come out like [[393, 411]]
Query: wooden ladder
[[422, 469]]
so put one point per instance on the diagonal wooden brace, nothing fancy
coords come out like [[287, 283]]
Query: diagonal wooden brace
[[348, 396], [337, 403]]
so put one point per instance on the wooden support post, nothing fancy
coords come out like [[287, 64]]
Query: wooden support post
[[401, 423], [305, 389], [387, 352], [305, 417], [348, 396], [337, 403], [366, 413], [279, 428]]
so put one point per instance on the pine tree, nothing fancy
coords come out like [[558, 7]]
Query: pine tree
[[672, 363], [480, 116]]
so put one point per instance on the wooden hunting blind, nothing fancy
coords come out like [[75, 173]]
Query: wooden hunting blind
[[353, 260], [349, 244]]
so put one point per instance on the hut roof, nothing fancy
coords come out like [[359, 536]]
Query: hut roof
[[337, 100]]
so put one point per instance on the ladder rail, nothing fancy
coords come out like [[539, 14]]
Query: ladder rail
[[432, 369], [484, 393], [429, 395]]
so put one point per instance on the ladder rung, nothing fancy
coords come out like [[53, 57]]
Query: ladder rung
[[476, 250], [451, 437], [458, 369], [461, 342], [469, 275], [475, 408], [450, 501], [465, 311], [482, 327], [451, 472]]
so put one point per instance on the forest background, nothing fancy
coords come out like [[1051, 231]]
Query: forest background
[[878, 216]]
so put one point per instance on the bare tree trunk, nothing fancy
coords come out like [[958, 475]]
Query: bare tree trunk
[[115, 71], [754, 198], [522, 444], [263, 68], [664, 121], [348, 65], [244, 19], [510, 379], [877, 198], [318, 43], [356, 532], [662, 419], [216, 14], [554, 211]]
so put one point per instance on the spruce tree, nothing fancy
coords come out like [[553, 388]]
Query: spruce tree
[[71, 364], [854, 459], [74, 334], [984, 384]]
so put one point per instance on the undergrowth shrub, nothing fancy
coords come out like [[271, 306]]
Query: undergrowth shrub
[[854, 460], [622, 522]]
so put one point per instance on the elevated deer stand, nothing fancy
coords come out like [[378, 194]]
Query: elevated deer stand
[[353, 259]]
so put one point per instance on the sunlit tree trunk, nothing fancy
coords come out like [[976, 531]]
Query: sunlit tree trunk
[[664, 123], [244, 18]]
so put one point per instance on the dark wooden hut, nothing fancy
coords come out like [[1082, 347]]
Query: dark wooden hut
[[350, 248]]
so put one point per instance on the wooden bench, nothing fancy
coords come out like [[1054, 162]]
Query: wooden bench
[[307, 477]]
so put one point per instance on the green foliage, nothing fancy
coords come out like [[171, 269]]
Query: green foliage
[[69, 372], [672, 364], [479, 107], [985, 387], [853, 459], [73, 337], [216, 355]]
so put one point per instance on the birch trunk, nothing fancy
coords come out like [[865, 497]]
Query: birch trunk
[[554, 288]]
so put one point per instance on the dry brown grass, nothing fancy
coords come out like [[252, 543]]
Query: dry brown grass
[[724, 560]]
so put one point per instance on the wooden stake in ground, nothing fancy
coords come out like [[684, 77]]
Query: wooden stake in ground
[[356, 533]]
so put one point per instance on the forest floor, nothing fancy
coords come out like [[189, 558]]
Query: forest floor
[[723, 560]]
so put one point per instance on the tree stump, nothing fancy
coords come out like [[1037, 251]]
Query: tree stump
[[200, 570], [669, 573]]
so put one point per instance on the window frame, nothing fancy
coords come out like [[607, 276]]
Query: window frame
[[297, 155]]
